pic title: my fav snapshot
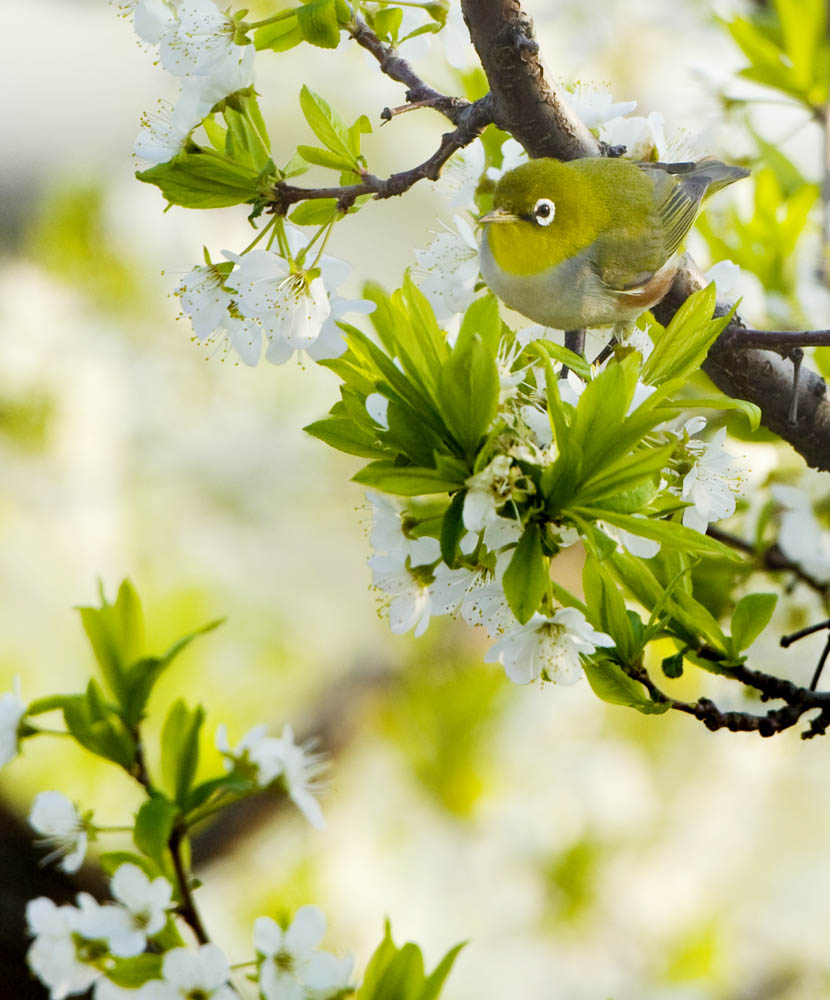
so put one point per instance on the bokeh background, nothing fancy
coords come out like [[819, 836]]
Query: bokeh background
[[586, 852]]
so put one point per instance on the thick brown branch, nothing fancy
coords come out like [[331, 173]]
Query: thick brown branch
[[397, 68], [472, 120], [781, 340], [531, 108], [762, 377]]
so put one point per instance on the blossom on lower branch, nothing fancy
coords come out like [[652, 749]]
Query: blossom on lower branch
[[547, 647], [268, 759], [60, 826], [291, 967], [202, 973]]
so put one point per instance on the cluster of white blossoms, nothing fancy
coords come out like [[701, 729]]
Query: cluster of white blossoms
[[74, 946], [268, 298], [197, 43], [77, 948], [270, 759], [417, 586]]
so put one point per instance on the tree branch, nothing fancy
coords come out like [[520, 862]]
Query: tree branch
[[771, 559], [530, 108], [537, 114], [472, 119], [399, 69]]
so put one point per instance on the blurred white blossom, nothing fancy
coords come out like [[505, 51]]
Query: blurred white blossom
[[487, 491], [594, 105], [190, 973], [60, 827], [290, 965], [145, 905], [448, 269], [12, 710], [461, 175], [801, 538]]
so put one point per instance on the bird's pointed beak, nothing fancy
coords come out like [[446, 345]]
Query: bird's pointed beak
[[498, 215]]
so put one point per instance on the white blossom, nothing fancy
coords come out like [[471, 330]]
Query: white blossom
[[407, 596], [290, 965], [60, 827], [800, 537], [547, 647], [637, 545], [448, 269], [711, 482], [273, 758], [12, 711], [200, 40], [145, 904], [594, 104], [643, 138], [387, 536], [487, 491], [292, 305], [300, 769], [461, 175], [151, 18], [452, 588], [513, 154], [190, 973], [54, 956], [456, 38], [205, 299], [164, 134], [377, 406]]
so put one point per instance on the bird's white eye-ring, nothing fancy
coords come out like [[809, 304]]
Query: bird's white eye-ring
[[543, 211]]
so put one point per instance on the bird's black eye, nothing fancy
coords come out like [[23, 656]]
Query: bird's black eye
[[543, 211]]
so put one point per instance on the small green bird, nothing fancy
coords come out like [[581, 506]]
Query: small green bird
[[594, 241]]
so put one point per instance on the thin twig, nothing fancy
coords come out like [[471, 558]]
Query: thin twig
[[475, 118], [399, 69], [771, 558], [188, 910]]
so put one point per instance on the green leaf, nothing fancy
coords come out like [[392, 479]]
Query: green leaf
[[180, 748], [142, 675], [387, 23], [452, 529], [203, 178], [436, 980], [344, 435], [612, 684], [153, 827], [481, 320], [682, 347], [670, 533], [97, 726], [405, 480], [468, 394], [749, 619], [326, 158], [130, 973], [326, 124], [526, 578], [315, 212], [749, 410], [111, 861], [318, 24], [672, 666], [116, 634], [403, 976], [281, 35], [575, 362], [381, 957], [607, 609]]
